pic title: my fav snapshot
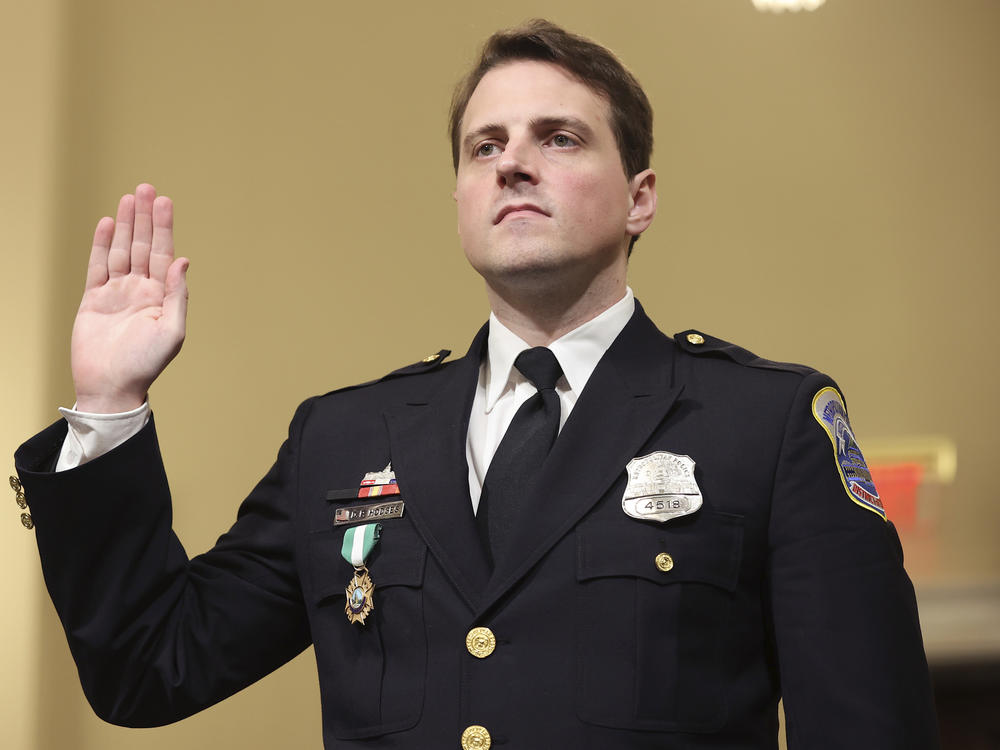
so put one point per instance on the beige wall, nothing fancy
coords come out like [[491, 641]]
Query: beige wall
[[828, 187], [30, 60]]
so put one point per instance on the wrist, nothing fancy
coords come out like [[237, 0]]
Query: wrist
[[108, 403]]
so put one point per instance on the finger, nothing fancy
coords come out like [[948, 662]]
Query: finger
[[176, 298], [162, 254], [97, 269], [119, 256], [142, 230]]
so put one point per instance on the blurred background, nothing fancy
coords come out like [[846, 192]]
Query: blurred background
[[829, 188]]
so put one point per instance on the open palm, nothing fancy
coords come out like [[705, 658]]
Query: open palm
[[131, 320]]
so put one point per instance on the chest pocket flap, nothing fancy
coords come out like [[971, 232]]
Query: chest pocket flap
[[706, 549]]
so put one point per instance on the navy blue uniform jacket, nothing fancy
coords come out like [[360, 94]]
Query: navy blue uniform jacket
[[781, 584]]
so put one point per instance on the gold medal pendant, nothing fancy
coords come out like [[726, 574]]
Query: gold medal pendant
[[358, 544], [360, 600]]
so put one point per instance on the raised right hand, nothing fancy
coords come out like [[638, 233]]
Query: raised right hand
[[131, 320]]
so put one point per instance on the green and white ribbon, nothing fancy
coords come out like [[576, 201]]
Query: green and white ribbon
[[359, 541]]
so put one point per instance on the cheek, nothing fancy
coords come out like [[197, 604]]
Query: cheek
[[466, 208], [472, 193], [599, 201]]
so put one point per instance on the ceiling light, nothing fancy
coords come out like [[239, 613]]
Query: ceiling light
[[780, 6]]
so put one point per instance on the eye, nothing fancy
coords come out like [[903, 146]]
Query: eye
[[561, 140], [487, 149]]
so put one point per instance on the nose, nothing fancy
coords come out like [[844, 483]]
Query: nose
[[516, 164]]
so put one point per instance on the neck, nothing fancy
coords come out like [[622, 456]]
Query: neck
[[540, 316]]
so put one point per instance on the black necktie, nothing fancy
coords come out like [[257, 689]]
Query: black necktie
[[516, 464]]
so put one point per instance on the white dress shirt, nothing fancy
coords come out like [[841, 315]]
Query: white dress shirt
[[499, 394], [502, 389]]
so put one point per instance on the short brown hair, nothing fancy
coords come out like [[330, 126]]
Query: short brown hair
[[595, 66]]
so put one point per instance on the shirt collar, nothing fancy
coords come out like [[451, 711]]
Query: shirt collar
[[578, 351]]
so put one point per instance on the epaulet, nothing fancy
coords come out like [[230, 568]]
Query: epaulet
[[701, 344], [428, 363]]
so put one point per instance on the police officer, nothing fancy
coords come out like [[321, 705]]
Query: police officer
[[582, 533]]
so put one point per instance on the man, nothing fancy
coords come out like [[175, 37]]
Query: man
[[581, 534]]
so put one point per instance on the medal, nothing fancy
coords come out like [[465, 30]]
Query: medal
[[360, 602], [359, 541]]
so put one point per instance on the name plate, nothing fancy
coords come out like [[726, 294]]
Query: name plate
[[370, 512]]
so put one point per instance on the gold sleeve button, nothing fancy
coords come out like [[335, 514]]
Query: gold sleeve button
[[21, 502], [664, 562], [481, 642], [15, 484], [695, 338], [27, 521], [476, 738]]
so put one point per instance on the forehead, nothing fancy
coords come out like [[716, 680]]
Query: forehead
[[526, 90]]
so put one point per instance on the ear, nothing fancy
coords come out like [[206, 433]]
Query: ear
[[642, 194]]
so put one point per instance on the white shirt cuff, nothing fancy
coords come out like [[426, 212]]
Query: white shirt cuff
[[90, 436]]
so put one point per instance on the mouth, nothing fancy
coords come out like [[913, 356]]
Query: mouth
[[519, 209]]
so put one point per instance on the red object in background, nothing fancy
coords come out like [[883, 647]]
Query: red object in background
[[897, 486]]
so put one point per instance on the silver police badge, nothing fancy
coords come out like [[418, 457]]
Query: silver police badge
[[661, 486]]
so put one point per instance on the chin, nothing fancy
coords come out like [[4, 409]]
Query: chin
[[534, 278], [521, 264]]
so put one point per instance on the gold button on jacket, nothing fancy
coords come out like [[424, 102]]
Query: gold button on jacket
[[476, 738], [480, 642], [664, 562]]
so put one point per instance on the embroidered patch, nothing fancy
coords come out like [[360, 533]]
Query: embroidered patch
[[828, 408]]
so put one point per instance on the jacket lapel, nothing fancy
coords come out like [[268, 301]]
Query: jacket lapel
[[427, 438], [626, 398]]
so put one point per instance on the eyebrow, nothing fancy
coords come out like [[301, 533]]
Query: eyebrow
[[548, 123], [474, 135]]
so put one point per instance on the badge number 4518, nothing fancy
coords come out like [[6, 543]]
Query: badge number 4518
[[658, 504]]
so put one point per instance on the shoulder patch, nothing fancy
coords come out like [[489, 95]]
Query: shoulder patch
[[829, 410]]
